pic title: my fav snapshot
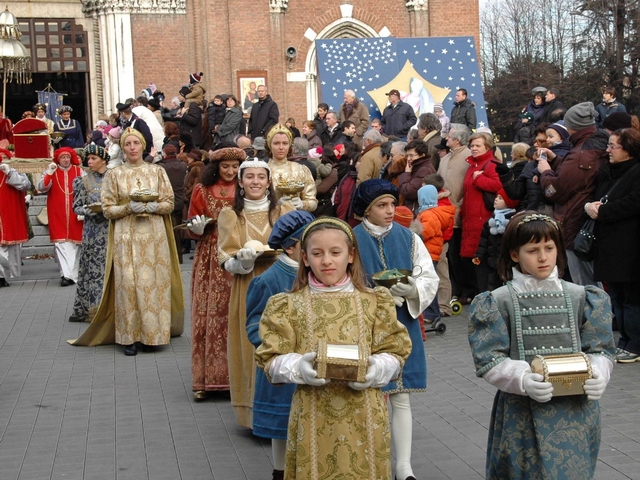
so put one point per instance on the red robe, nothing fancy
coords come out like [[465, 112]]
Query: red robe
[[63, 223], [13, 214]]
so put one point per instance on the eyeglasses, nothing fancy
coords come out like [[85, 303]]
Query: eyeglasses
[[612, 146], [412, 155]]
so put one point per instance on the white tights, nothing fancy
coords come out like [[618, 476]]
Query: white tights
[[401, 433], [278, 450]]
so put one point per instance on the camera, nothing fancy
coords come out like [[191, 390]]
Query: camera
[[542, 156]]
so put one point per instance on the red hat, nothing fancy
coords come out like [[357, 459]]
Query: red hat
[[74, 156], [7, 153], [508, 202], [403, 216]]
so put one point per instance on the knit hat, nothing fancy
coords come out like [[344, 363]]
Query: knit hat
[[152, 87], [258, 143], [315, 153], [437, 106], [508, 201], [616, 121], [580, 116], [195, 78], [528, 116], [427, 198], [561, 129], [147, 93], [371, 191], [115, 132], [287, 230], [403, 216]]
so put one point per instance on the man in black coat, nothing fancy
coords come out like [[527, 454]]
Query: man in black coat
[[130, 119], [264, 114], [333, 133], [398, 117], [552, 104], [464, 110]]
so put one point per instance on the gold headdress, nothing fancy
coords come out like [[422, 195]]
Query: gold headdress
[[533, 217], [132, 131], [344, 226], [276, 129]]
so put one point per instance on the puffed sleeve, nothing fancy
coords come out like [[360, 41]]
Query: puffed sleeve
[[166, 198], [258, 294], [389, 335], [110, 197], [309, 200], [426, 280], [488, 334], [595, 332], [277, 334], [228, 237], [197, 206], [79, 197]]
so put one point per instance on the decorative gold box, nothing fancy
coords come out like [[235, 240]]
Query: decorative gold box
[[342, 362], [567, 373]]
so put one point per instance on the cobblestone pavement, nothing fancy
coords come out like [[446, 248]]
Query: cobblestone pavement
[[92, 413]]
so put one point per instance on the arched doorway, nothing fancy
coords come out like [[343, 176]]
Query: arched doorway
[[341, 28]]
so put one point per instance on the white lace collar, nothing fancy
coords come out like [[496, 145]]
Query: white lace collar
[[253, 206], [376, 229], [528, 283]]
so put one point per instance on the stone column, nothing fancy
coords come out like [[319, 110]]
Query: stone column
[[419, 17]]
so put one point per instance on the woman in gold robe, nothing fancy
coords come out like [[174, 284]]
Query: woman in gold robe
[[251, 218], [286, 173]]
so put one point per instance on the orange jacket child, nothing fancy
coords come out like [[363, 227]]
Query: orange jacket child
[[435, 220]]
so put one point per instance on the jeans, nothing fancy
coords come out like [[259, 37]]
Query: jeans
[[625, 299]]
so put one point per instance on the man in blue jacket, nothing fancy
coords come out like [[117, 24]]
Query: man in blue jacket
[[398, 117]]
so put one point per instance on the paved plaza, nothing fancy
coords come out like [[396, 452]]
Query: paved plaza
[[85, 413]]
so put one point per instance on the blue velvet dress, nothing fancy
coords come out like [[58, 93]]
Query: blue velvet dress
[[394, 249], [271, 403]]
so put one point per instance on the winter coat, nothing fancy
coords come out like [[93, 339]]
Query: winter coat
[[446, 124], [324, 193], [360, 116], [264, 115], [410, 182], [216, 114], [343, 199], [549, 108], [432, 139], [443, 201], [334, 137], [453, 168], [435, 221], [473, 212], [519, 185], [176, 171], [230, 126], [196, 96], [464, 113], [191, 123], [314, 140], [561, 149], [193, 176], [370, 163], [536, 110], [524, 133], [572, 180], [618, 223], [398, 120], [321, 125], [605, 109]]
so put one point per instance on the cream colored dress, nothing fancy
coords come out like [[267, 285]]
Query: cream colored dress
[[141, 260], [285, 171]]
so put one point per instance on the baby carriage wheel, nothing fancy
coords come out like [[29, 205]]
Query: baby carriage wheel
[[456, 307]]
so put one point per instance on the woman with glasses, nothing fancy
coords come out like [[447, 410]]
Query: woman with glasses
[[616, 209]]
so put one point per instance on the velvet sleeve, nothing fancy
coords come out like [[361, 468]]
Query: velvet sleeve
[[488, 334]]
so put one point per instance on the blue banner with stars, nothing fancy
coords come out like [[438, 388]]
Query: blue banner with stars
[[425, 70]]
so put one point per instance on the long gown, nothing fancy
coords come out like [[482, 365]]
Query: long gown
[[210, 293], [233, 234], [528, 440], [93, 251], [334, 430]]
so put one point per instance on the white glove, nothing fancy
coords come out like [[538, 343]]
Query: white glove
[[595, 387], [382, 369], [399, 301], [151, 207], [56, 140], [537, 388], [296, 202], [296, 368], [137, 207], [87, 211], [51, 168], [197, 224], [80, 218], [285, 199], [247, 257], [5, 168], [27, 198], [405, 290]]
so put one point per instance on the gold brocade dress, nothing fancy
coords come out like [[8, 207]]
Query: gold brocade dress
[[210, 293], [334, 430], [141, 260], [285, 171], [233, 233]]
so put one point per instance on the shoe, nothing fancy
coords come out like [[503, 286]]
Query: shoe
[[464, 300], [65, 282], [4, 283], [410, 477], [627, 357], [277, 474], [131, 350], [146, 348], [75, 318], [199, 395]]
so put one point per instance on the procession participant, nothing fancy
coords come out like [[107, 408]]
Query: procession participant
[[14, 229], [254, 212], [142, 302], [86, 191], [65, 227], [271, 402], [386, 245], [211, 284], [73, 137], [40, 110], [279, 148]]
